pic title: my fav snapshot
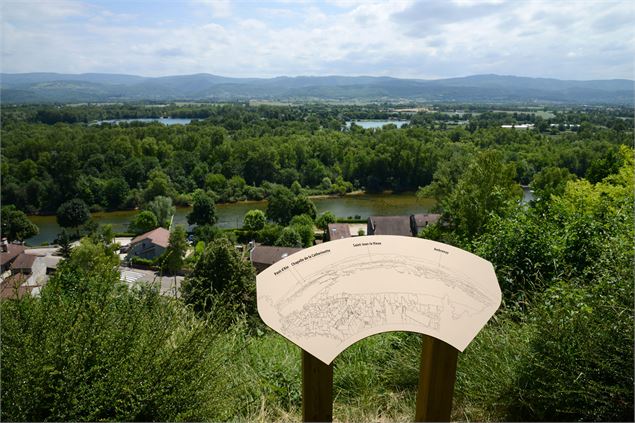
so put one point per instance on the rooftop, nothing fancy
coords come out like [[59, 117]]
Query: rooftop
[[339, 231], [159, 236], [390, 225], [268, 255]]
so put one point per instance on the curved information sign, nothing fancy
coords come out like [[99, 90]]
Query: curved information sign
[[327, 297]]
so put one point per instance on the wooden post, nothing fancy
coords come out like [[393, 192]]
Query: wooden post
[[317, 389], [437, 375]]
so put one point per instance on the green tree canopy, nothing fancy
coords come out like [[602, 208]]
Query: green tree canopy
[[254, 220], [16, 225], [484, 189], [73, 213], [289, 237], [143, 222], [551, 181], [324, 219], [163, 209], [177, 248], [283, 205], [203, 209]]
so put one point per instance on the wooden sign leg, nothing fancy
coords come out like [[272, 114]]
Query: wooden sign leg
[[437, 375], [317, 389]]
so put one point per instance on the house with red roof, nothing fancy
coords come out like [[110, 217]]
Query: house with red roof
[[149, 245]]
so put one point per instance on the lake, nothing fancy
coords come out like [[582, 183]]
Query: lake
[[367, 124], [231, 215], [165, 121]]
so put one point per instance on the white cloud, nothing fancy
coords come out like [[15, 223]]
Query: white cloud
[[403, 39]]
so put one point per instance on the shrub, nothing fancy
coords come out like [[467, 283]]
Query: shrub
[[102, 352]]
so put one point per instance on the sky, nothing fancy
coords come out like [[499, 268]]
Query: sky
[[426, 39]]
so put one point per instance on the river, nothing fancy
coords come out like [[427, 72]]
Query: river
[[231, 215]]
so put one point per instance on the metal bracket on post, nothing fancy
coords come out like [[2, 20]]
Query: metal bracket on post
[[437, 375], [317, 389]]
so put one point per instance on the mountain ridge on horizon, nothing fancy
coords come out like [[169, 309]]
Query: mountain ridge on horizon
[[51, 87]]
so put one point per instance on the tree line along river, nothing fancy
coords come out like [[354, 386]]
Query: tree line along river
[[231, 215]]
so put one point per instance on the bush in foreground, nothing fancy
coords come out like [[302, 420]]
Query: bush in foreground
[[101, 352]]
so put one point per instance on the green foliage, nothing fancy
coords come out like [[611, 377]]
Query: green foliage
[[283, 205], [116, 192], [143, 222], [254, 220], [269, 234], [203, 210], [221, 278], [106, 353], [64, 241], [551, 181], [159, 185], [289, 237], [72, 214], [90, 256], [173, 257], [580, 360], [324, 219], [485, 189], [163, 210], [303, 225], [16, 226]]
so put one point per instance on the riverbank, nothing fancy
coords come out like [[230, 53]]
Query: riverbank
[[230, 215]]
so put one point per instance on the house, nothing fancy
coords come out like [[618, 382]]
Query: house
[[31, 266], [149, 245], [338, 231], [389, 225], [263, 256], [420, 221], [8, 253]]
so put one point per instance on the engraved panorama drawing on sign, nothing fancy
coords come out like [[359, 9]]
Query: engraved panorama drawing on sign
[[327, 297]]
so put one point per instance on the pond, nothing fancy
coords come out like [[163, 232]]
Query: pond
[[367, 124], [165, 121], [231, 215]]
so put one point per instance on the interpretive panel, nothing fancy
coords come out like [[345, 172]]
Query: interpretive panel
[[327, 297]]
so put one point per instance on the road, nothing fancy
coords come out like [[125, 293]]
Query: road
[[168, 285]]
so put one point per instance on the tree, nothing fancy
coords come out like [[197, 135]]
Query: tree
[[221, 277], [203, 210], [283, 205], [269, 234], [484, 189], [93, 257], [16, 225], [303, 205], [289, 238], [216, 182], [163, 209], [280, 205], [254, 220], [64, 241], [175, 253], [551, 181], [143, 222], [73, 214], [159, 184], [115, 192], [324, 219], [303, 225]]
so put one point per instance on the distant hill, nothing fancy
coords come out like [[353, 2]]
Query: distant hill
[[98, 87]]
